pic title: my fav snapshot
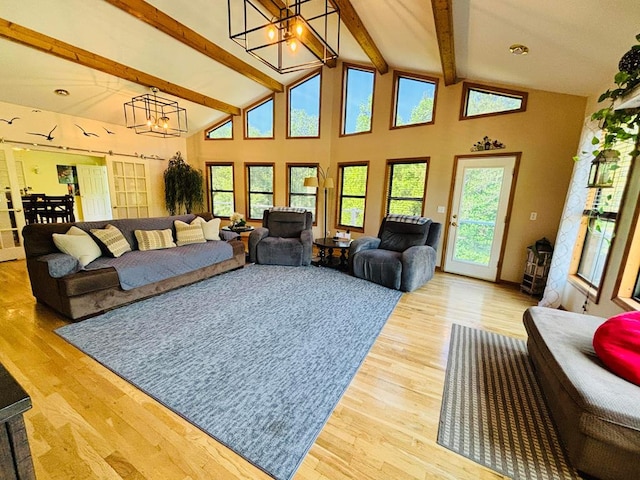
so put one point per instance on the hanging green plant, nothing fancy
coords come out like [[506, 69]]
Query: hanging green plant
[[623, 124], [183, 186]]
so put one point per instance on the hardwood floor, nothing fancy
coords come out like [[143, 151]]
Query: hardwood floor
[[88, 423]]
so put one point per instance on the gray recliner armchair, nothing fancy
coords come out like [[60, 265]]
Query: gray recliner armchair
[[285, 238], [402, 257]]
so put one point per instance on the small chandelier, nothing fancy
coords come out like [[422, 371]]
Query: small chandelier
[[150, 114], [286, 35], [603, 169]]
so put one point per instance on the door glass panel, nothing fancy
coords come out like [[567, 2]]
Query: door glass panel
[[479, 203], [9, 236], [131, 189]]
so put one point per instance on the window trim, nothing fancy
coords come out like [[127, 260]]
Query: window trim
[[630, 262], [505, 92], [397, 75], [208, 180], [245, 116], [341, 167], [288, 108], [216, 126], [247, 178], [307, 165], [343, 104], [387, 186]]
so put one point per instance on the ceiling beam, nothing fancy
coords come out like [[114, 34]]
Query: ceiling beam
[[52, 46], [443, 17], [312, 43], [352, 21], [152, 16]]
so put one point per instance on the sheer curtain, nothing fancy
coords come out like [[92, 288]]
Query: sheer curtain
[[570, 221]]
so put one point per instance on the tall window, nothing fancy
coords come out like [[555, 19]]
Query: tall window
[[406, 186], [414, 100], [482, 101], [220, 181], [353, 195], [303, 107], [599, 222], [220, 131], [299, 195], [357, 99], [259, 188], [258, 119]]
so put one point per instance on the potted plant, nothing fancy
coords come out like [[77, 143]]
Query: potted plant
[[183, 186]]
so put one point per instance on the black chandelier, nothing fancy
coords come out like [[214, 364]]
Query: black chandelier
[[150, 114], [286, 35]]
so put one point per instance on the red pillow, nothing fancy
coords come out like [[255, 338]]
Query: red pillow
[[617, 343]]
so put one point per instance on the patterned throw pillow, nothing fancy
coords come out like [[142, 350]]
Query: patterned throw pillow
[[211, 229], [112, 239], [188, 233], [78, 244], [154, 239]]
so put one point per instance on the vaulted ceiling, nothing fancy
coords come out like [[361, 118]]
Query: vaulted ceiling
[[574, 48]]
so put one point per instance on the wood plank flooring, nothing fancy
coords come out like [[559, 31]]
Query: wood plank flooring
[[87, 423]]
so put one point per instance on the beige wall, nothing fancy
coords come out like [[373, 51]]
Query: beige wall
[[547, 134]]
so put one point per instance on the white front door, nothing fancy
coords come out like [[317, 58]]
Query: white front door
[[478, 215], [94, 192], [11, 214]]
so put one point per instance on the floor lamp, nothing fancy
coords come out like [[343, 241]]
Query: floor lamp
[[325, 182]]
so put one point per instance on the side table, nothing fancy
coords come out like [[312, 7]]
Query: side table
[[15, 455], [326, 246]]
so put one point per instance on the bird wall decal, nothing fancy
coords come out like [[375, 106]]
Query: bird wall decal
[[109, 131], [85, 133], [9, 121], [48, 137]]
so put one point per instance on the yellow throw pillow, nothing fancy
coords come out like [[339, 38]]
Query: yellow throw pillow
[[112, 239], [78, 244], [154, 239], [188, 233]]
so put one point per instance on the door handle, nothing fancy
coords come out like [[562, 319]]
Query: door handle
[[19, 210], [454, 224]]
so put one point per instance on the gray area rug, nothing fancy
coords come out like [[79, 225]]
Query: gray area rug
[[493, 410], [258, 358]]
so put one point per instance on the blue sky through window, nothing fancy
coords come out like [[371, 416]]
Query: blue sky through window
[[410, 93], [306, 97], [359, 91], [260, 120]]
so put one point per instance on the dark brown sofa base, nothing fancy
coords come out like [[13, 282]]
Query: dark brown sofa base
[[89, 304]]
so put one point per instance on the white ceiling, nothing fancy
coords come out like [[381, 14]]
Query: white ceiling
[[574, 46]]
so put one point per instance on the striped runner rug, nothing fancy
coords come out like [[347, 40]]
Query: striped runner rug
[[493, 411]]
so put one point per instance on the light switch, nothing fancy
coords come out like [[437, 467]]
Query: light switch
[[533, 216], [440, 209]]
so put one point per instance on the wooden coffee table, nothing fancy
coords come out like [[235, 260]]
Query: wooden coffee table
[[326, 246]]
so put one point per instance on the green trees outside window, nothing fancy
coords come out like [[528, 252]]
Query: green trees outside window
[[480, 100], [357, 99], [414, 100], [406, 187], [259, 119], [299, 195], [353, 193], [220, 131], [259, 189], [304, 107], [221, 197]]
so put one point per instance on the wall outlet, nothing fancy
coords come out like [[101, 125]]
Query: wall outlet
[[533, 216], [440, 209]]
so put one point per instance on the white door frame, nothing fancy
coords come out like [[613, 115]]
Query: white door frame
[[507, 217], [13, 253]]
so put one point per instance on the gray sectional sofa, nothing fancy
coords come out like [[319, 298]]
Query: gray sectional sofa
[[597, 413], [106, 283]]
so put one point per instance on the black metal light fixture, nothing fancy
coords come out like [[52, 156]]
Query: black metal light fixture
[[603, 168], [150, 114], [286, 35]]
